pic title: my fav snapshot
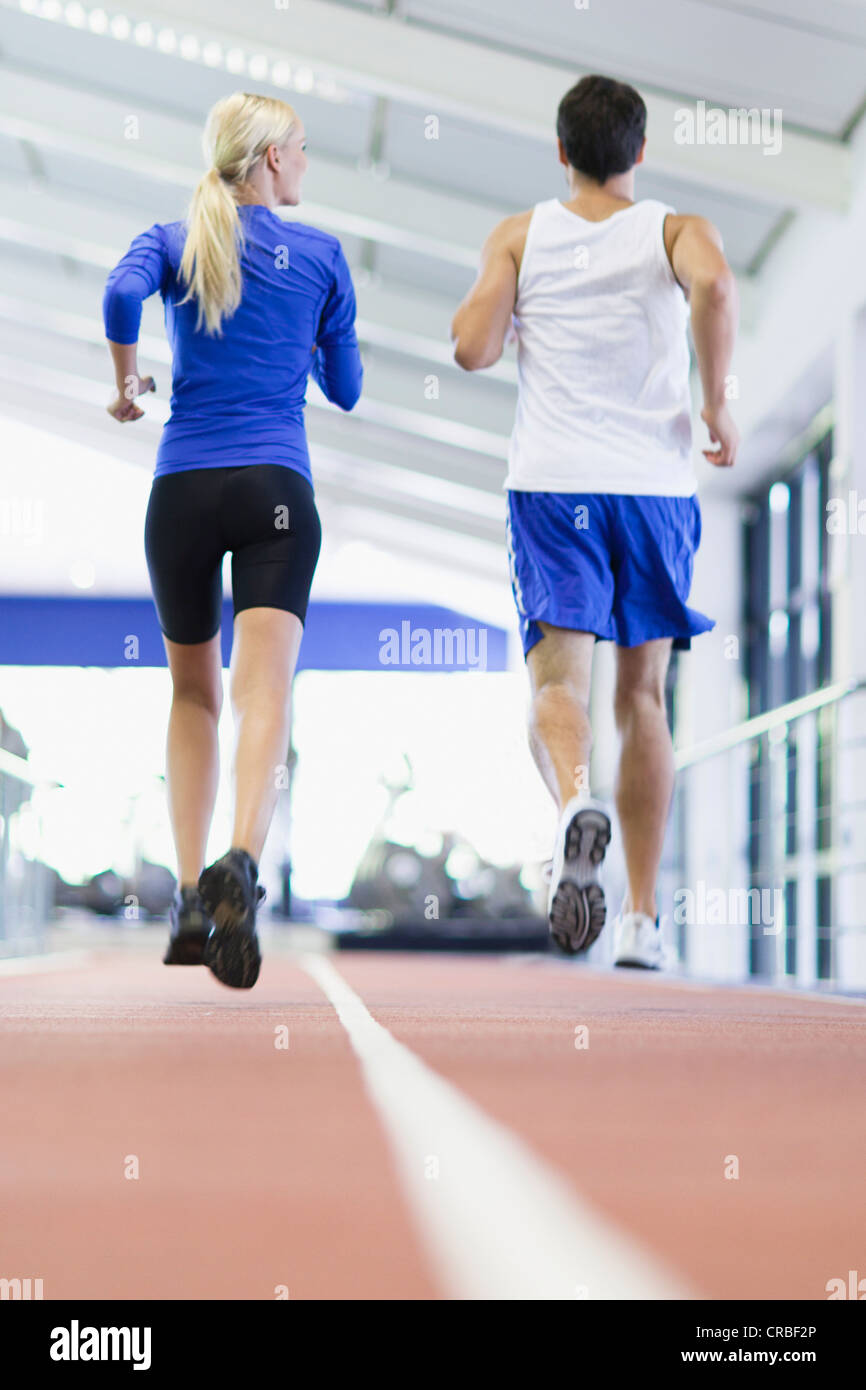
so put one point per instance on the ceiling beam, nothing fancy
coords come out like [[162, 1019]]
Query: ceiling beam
[[43, 218], [444, 75], [338, 196]]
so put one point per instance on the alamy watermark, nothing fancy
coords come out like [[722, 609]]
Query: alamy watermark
[[854, 1288], [738, 125], [24, 1289], [22, 518], [846, 516], [438, 646], [705, 906], [77, 1343]]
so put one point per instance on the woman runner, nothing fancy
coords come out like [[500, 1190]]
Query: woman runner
[[252, 305]]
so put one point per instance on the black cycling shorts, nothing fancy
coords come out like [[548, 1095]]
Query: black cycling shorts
[[264, 513]]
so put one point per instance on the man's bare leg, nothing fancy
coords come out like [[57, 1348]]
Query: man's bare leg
[[560, 669], [645, 775], [560, 737]]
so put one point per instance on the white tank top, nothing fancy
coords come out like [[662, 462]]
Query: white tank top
[[603, 361]]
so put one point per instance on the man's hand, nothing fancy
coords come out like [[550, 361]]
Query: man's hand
[[123, 406], [723, 432]]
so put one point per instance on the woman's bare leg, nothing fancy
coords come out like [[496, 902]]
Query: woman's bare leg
[[264, 655], [192, 749]]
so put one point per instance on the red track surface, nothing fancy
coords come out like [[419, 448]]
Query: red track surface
[[262, 1167]]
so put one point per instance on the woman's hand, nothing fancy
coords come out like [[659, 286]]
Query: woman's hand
[[123, 407]]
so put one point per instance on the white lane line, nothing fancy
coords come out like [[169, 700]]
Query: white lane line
[[496, 1222], [47, 961]]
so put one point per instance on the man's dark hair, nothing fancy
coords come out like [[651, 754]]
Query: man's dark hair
[[601, 124]]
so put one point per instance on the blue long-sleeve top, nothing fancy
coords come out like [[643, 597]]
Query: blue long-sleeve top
[[239, 398]]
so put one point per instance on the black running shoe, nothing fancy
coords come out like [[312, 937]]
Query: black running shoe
[[231, 893], [190, 928]]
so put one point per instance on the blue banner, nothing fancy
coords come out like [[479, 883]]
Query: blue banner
[[108, 632]]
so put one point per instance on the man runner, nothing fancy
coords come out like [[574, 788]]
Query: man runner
[[603, 521]]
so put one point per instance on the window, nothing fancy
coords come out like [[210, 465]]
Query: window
[[787, 619], [788, 654]]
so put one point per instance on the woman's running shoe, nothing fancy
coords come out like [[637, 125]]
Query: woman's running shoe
[[231, 893], [190, 928]]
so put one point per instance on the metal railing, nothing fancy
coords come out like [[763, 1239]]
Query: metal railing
[[765, 862]]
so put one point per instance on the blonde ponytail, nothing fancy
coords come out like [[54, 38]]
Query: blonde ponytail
[[210, 264], [239, 130]]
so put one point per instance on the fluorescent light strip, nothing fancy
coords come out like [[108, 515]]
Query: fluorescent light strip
[[209, 53]]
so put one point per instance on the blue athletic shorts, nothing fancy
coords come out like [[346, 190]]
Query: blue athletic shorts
[[618, 566]]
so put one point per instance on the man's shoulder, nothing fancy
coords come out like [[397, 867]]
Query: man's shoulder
[[518, 221], [676, 223], [512, 228], [510, 234]]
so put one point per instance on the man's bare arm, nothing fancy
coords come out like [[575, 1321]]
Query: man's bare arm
[[482, 320], [695, 250]]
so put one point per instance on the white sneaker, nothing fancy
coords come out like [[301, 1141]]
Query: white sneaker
[[575, 906], [638, 942]]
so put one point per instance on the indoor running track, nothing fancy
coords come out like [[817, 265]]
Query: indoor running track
[[423, 1126]]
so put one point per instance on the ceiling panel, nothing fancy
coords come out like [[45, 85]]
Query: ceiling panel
[[809, 60]]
